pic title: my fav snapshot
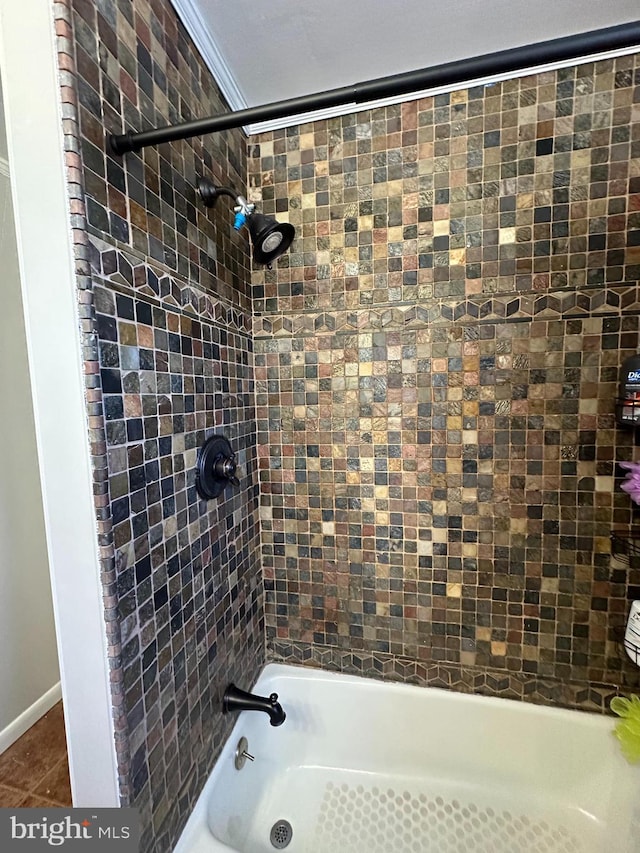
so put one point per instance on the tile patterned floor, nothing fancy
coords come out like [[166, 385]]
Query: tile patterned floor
[[34, 772]]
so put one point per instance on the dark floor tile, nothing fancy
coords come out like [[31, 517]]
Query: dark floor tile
[[36, 753], [56, 784]]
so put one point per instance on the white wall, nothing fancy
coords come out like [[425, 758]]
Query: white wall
[[47, 272], [28, 656]]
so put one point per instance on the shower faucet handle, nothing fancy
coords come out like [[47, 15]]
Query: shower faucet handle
[[225, 468]]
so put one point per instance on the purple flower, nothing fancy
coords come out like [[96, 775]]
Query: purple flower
[[631, 482]]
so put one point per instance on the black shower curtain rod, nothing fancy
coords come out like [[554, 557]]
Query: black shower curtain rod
[[451, 73]]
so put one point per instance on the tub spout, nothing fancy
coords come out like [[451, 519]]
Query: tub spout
[[235, 699]]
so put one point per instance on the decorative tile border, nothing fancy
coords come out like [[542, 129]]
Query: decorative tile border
[[554, 305], [128, 271], [462, 679]]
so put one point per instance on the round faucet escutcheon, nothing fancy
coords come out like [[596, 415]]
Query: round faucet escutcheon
[[215, 467]]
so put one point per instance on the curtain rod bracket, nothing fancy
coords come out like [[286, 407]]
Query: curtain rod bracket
[[120, 144]]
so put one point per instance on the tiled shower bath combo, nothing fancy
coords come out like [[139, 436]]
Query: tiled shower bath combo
[[421, 393]]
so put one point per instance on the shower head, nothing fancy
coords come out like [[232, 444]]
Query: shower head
[[269, 238]]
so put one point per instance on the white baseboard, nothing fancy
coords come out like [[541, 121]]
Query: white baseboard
[[27, 718]]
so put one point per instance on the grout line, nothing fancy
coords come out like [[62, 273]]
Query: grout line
[[22, 795], [13, 789], [30, 793], [63, 759]]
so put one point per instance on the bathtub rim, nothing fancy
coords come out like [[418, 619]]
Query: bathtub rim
[[523, 706]]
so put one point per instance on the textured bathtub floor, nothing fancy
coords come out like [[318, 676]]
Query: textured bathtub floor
[[34, 772], [332, 809]]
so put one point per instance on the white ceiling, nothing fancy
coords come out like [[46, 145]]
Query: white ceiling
[[262, 52]]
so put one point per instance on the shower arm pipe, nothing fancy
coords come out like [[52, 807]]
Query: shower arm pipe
[[514, 59], [211, 193]]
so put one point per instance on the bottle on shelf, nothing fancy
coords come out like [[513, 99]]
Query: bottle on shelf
[[628, 408]]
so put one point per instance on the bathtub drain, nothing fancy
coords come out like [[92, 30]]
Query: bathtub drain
[[281, 834]]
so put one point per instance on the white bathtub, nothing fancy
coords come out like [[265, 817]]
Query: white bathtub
[[361, 766]]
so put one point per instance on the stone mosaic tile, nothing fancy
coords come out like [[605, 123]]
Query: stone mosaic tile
[[135, 68], [436, 371], [63, 21], [446, 493], [188, 588], [526, 185]]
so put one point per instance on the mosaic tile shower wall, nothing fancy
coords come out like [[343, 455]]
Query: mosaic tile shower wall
[[436, 368], [164, 296]]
